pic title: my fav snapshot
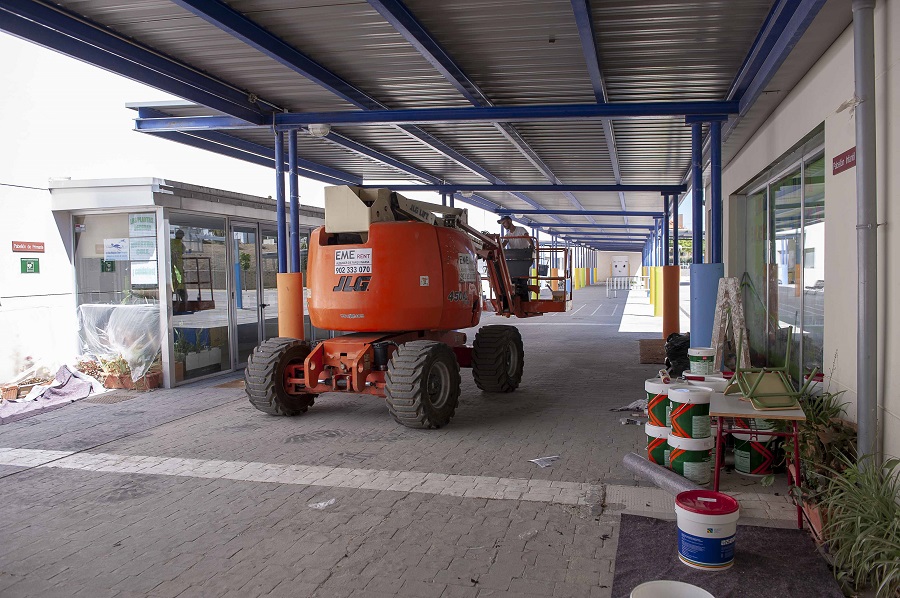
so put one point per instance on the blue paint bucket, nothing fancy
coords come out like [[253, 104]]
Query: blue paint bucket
[[707, 525]]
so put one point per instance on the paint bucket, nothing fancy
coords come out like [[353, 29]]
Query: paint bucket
[[713, 381], [707, 524], [762, 425], [754, 454], [657, 447], [702, 360], [690, 457], [657, 401], [666, 588], [690, 411]]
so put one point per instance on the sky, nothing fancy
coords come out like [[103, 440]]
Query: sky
[[66, 118]]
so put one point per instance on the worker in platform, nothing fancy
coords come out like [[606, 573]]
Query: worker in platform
[[519, 255], [178, 286], [515, 231]]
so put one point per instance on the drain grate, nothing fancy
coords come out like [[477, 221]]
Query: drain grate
[[109, 398]]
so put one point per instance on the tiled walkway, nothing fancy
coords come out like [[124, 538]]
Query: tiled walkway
[[192, 492]]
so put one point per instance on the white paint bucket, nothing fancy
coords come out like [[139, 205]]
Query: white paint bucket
[[666, 588], [689, 417], [690, 457], [713, 381], [657, 401], [702, 360], [707, 524]]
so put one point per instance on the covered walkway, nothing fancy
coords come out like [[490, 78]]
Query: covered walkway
[[193, 492]]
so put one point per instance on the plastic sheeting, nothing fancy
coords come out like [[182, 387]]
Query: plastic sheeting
[[127, 331]]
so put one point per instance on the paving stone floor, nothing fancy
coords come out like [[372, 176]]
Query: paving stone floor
[[192, 492]]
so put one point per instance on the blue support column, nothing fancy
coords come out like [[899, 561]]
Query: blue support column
[[279, 203], [697, 190], [715, 199], [676, 251], [295, 201], [666, 254]]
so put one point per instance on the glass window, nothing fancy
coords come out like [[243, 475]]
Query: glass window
[[755, 284], [813, 263], [199, 293], [117, 288], [785, 296]]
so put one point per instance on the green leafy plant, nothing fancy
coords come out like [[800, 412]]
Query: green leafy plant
[[117, 366], [182, 346], [827, 444], [863, 526]]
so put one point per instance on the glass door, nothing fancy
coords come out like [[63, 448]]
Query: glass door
[[268, 256], [245, 297]]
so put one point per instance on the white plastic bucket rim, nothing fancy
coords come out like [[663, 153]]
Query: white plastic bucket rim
[[716, 383], [665, 588], [696, 395], [656, 431], [701, 352], [656, 386], [691, 444]]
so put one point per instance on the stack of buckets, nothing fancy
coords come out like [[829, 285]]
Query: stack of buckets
[[678, 430]]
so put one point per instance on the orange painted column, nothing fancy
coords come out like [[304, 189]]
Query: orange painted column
[[671, 279], [290, 305]]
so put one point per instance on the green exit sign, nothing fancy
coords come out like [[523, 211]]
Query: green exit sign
[[31, 265]]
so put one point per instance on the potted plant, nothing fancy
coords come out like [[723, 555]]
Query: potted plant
[[116, 372], [181, 348], [202, 356], [827, 444], [863, 527]]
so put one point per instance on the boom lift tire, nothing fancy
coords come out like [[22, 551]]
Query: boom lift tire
[[264, 377], [498, 358], [422, 384]]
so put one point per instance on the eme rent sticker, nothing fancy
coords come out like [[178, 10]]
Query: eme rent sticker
[[467, 269], [353, 261]]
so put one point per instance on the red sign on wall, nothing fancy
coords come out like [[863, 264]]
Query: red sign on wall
[[28, 246], [844, 161]]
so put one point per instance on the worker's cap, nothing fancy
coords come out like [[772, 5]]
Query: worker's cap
[[505, 217]]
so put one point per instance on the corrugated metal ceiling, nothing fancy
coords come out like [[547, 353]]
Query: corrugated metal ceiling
[[519, 52]]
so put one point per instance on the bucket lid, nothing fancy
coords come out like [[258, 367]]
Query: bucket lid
[[701, 351], [656, 431], [707, 502], [656, 385], [690, 394]]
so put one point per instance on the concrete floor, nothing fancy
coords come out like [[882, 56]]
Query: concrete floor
[[192, 492]]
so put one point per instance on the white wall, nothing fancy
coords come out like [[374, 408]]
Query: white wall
[[604, 263], [820, 97], [37, 311]]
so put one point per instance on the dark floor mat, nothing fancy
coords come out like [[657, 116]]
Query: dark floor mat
[[768, 562], [110, 398]]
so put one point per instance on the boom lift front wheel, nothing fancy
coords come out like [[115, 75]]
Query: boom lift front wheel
[[422, 384], [498, 358], [264, 378]]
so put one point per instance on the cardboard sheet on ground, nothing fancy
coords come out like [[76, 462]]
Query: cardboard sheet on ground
[[768, 562]]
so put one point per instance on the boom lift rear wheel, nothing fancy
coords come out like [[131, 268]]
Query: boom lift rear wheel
[[264, 378], [422, 384], [498, 358]]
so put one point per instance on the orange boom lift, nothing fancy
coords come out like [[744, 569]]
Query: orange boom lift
[[401, 276]]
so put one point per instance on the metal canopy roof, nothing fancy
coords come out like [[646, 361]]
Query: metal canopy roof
[[514, 92]]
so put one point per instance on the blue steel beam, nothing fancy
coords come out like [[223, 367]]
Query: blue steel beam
[[598, 225], [539, 112], [67, 33], [309, 169], [585, 22], [227, 19], [581, 212], [444, 188], [401, 18]]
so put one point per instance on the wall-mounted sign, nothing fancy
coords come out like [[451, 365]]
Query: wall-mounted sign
[[28, 246], [115, 250], [107, 266], [143, 273], [31, 265], [142, 225], [844, 161], [142, 248]]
